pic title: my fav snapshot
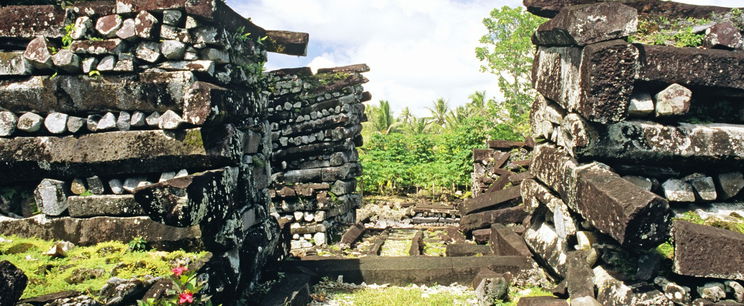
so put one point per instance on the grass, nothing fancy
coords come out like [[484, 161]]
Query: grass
[[660, 30], [343, 294], [85, 269], [516, 293]]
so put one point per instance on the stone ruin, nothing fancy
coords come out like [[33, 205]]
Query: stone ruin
[[316, 126], [632, 138], [154, 119]]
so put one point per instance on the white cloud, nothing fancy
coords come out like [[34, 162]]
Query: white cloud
[[418, 50]]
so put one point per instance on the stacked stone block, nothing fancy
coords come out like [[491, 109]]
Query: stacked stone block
[[633, 137], [147, 119], [316, 122]]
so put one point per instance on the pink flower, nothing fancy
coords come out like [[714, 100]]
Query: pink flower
[[186, 297], [178, 271]]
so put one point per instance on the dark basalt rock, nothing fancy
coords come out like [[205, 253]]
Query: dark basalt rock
[[12, 283], [583, 25], [550, 8], [694, 255]]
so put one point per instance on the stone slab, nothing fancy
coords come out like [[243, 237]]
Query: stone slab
[[550, 8], [484, 219], [489, 200], [90, 231], [407, 270], [30, 21], [119, 153], [693, 255], [505, 242], [587, 24], [104, 205], [467, 249]]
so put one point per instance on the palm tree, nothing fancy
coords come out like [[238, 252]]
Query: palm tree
[[457, 116], [439, 112], [418, 126], [405, 116], [478, 100], [382, 118]]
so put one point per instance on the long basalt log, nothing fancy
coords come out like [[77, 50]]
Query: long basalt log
[[706, 251], [119, 153], [579, 26], [550, 8], [187, 201], [90, 231]]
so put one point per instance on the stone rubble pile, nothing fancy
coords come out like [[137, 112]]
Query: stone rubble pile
[[497, 174], [316, 124], [135, 118], [636, 139]]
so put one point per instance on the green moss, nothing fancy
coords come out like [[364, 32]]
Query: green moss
[[392, 296], [660, 30], [734, 226], [691, 217], [666, 249], [194, 139], [84, 269]]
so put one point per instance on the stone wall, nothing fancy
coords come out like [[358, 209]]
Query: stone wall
[[316, 124], [132, 118], [635, 137]]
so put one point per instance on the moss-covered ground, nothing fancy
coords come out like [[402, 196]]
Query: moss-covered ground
[[85, 269]]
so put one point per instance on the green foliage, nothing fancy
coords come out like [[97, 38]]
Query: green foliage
[[67, 38], [507, 51], [666, 249], [186, 291], [734, 223], [344, 294], [137, 244], [108, 259], [661, 30], [86, 193]]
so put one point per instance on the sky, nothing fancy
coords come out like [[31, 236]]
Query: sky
[[418, 50]]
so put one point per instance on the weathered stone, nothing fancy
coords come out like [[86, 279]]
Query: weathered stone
[[207, 35], [125, 63], [172, 17], [170, 120], [673, 101], [12, 283], [596, 82], [691, 67], [172, 49], [95, 185], [611, 204], [189, 65], [731, 184], [188, 200], [153, 119], [89, 64], [704, 186], [120, 153], [56, 123], [692, 251], [674, 292], [737, 289], [107, 122], [579, 275], [641, 105], [82, 25], [77, 186], [724, 35], [614, 292], [148, 51], [91, 123], [713, 292], [588, 24], [98, 47], [144, 25], [585, 301], [8, 122], [50, 197], [173, 33], [653, 142], [320, 239], [14, 63], [90, 231], [642, 182], [541, 301], [549, 8], [485, 219], [191, 23], [545, 243], [490, 200], [576, 133], [466, 249], [29, 122], [138, 119], [104, 205], [67, 61], [492, 290], [128, 30], [124, 121], [29, 21], [505, 242], [75, 124], [216, 55], [678, 191], [108, 25], [116, 186], [37, 52], [123, 291]]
